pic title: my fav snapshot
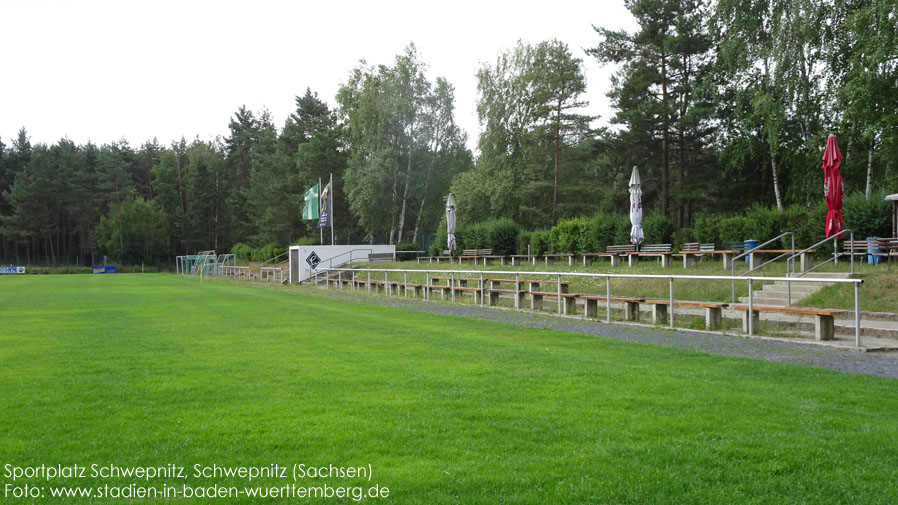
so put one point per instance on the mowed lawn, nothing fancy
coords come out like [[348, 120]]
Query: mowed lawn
[[154, 369]]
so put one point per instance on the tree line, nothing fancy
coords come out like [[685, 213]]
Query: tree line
[[721, 104]]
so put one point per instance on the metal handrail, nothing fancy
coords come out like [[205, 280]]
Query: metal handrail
[[608, 277], [836, 253], [276, 257], [791, 259], [733, 262]]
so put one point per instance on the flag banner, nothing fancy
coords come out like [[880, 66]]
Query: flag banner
[[324, 219], [310, 211]]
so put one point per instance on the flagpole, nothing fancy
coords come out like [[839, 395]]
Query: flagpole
[[320, 231], [330, 197]]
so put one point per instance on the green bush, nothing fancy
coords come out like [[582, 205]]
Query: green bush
[[658, 229], [868, 218], [500, 235], [266, 252], [569, 235], [310, 240], [242, 251], [540, 243], [683, 236], [406, 246]]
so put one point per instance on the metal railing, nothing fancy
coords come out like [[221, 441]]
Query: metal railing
[[275, 274], [751, 251], [274, 260], [559, 276], [835, 258]]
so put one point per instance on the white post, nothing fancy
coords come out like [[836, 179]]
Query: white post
[[857, 314], [331, 209], [670, 313], [751, 308], [607, 299], [559, 293]]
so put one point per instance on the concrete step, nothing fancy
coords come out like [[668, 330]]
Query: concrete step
[[783, 288], [773, 296], [823, 275], [765, 300]]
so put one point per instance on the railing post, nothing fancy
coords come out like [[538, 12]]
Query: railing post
[[789, 286], [427, 285], [340, 279], [670, 311], [405, 280], [836, 251], [751, 308], [793, 255], [559, 293], [387, 291], [482, 289], [369, 282], [607, 298], [851, 239], [733, 276], [517, 290], [857, 314], [452, 286]]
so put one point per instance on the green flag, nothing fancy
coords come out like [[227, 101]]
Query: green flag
[[310, 211]]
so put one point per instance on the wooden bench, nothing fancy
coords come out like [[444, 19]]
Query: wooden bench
[[462, 285], [887, 247], [557, 256], [713, 311], [588, 257], [692, 249], [824, 320], [495, 290], [380, 257], [516, 258], [431, 258], [536, 297], [485, 254], [631, 305], [462, 281], [468, 254], [618, 251], [446, 255], [660, 250]]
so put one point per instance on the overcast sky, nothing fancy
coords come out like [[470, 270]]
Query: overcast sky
[[106, 70]]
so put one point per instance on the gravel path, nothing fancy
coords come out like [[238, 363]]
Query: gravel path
[[868, 363]]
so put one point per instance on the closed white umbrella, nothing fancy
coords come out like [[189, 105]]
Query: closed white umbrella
[[450, 222], [636, 235]]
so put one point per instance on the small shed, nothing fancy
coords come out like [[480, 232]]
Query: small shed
[[894, 200]]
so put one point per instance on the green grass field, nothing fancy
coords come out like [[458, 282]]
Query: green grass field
[[150, 370]]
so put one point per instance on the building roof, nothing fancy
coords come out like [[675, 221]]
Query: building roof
[[892, 198]]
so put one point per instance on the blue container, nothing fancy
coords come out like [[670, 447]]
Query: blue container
[[871, 259], [750, 244]]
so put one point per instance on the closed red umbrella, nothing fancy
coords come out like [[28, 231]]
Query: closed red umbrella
[[833, 189]]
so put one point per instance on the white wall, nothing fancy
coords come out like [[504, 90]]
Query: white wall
[[330, 256]]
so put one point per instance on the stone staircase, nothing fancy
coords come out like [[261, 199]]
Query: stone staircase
[[777, 293]]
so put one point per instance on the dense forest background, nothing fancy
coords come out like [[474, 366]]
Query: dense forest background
[[722, 105]]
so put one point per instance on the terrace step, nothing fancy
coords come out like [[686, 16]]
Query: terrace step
[[777, 293]]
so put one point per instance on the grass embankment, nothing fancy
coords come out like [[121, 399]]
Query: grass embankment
[[152, 370]]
